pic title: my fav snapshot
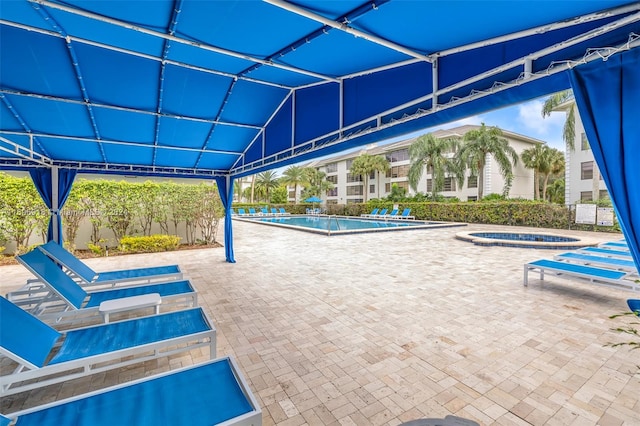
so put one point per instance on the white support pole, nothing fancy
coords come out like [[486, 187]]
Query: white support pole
[[54, 203], [434, 82]]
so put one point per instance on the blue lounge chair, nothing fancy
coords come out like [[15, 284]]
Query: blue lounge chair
[[392, 215], [242, 212], [373, 213], [598, 261], [88, 277], [274, 211], [599, 251], [615, 245], [64, 300], [252, 212], [405, 214], [210, 393], [382, 213], [283, 211], [264, 211], [593, 275], [46, 356], [634, 306]]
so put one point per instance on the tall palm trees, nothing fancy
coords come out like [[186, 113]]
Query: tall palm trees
[[365, 164], [569, 129], [266, 182], [473, 154], [545, 162], [430, 152], [294, 175], [315, 182]]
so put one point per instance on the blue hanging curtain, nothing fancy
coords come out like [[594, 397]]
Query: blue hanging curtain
[[225, 188], [608, 95], [42, 178]]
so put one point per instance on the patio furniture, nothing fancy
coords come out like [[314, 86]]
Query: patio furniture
[[606, 252], [406, 214], [590, 274], [634, 305], [283, 211], [242, 212], [210, 393], [252, 212], [46, 356], [382, 213], [78, 269], [64, 300], [599, 261], [615, 245], [392, 215], [373, 213]]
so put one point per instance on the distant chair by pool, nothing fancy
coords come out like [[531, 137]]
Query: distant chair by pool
[[392, 215], [252, 212], [283, 211], [382, 213], [242, 212], [274, 211], [373, 213], [405, 214]]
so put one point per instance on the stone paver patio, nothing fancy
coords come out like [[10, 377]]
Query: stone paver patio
[[378, 329]]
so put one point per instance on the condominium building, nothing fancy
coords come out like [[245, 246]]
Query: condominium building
[[583, 181], [349, 188]]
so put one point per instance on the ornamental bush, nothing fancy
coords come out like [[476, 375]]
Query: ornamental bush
[[149, 244]]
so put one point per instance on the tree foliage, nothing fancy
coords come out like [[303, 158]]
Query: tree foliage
[[430, 153], [366, 164]]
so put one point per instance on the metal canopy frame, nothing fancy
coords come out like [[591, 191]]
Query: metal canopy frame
[[15, 152]]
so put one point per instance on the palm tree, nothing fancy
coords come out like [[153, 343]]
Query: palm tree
[[294, 175], [535, 158], [430, 152], [477, 145], [556, 168], [569, 129], [314, 182], [365, 164], [265, 182]]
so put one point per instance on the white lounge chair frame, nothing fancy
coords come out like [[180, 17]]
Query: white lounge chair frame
[[50, 305], [23, 377], [590, 274], [250, 418]]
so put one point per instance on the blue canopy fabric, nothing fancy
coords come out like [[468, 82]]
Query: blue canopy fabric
[[225, 188], [44, 183], [607, 97], [187, 88], [313, 199]]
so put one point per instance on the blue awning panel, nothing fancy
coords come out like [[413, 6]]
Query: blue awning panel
[[124, 125], [61, 149], [175, 132], [136, 155], [230, 138]]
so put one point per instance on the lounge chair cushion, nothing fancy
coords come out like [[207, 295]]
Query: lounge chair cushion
[[205, 395], [114, 336], [32, 340]]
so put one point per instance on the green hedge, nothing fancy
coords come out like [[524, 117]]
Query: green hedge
[[513, 213], [149, 244]]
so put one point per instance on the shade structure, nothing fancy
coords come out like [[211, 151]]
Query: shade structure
[[313, 199], [188, 88]]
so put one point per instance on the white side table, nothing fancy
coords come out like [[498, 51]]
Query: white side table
[[129, 303]]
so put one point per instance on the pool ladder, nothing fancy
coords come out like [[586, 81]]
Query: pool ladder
[[329, 224]]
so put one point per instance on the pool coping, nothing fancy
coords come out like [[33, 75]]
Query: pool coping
[[425, 224], [558, 245]]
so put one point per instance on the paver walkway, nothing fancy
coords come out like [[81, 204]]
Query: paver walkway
[[377, 329]]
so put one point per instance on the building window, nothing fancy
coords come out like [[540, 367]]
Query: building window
[[332, 192], [354, 201], [353, 178], [398, 171], [472, 198], [292, 194], [372, 189], [472, 182], [584, 143], [333, 179], [372, 175], [449, 184], [349, 163], [399, 155], [586, 170], [332, 167], [387, 187], [354, 190], [604, 194], [429, 185], [586, 196]]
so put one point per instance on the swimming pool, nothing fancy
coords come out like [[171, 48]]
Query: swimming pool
[[341, 225]]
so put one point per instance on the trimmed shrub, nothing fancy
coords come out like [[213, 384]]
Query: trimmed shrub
[[149, 244]]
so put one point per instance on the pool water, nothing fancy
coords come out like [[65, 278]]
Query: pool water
[[525, 240], [523, 237], [334, 225]]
